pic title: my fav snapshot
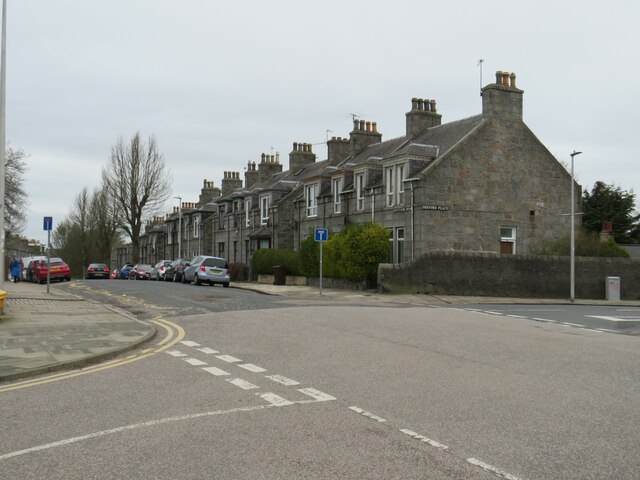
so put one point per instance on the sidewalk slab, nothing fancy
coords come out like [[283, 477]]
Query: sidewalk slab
[[42, 332]]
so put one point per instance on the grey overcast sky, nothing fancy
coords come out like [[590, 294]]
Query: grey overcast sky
[[219, 83]]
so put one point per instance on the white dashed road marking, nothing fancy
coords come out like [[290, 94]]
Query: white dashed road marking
[[252, 368], [317, 394], [491, 468], [282, 380], [243, 384], [208, 350], [422, 438], [215, 371], [176, 353], [276, 400], [228, 358], [194, 361], [189, 343], [367, 414]]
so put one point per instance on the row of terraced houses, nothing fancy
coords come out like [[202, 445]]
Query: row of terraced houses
[[479, 184]]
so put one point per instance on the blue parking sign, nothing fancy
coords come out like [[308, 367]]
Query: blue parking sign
[[322, 234]]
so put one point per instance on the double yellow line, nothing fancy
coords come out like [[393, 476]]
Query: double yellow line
[[174, 334]]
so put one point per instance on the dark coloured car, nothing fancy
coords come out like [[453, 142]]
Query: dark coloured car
[[175, 270], [97, 270], [123, 273], [205, 269], [140, 272]]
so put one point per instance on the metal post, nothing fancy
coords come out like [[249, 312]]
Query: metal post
[[321, 268], [179, 226], [3, 88], [48, 259], [573, 239]]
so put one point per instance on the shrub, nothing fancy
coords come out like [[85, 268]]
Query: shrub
[[264, 259], [359, 249], [309, 256], [587, 245], [238, 272]]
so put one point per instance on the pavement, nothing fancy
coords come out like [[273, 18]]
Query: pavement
[[42, 332]]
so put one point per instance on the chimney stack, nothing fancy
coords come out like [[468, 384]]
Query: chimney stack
[[251, 175], [301, 156], [208, 192], [231, 182], [338, 149], [423, 115], [502, 99], [269, 165], [363, 134]]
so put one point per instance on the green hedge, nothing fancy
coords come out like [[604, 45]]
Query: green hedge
[[352, 254], [265, 259]]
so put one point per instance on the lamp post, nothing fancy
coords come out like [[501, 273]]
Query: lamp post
[[179, 226], [3, 88], [573, 234]]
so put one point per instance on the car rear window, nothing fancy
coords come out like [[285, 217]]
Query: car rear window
[[215, 262]]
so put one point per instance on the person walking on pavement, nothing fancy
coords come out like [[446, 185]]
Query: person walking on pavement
[[16, 269]]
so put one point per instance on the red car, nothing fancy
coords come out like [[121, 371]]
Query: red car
[[59, 271], [140, 272]]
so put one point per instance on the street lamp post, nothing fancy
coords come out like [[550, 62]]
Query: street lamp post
[[179, 226], [3, 88], [573, 234]]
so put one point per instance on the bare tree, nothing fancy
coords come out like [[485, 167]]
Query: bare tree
[[105, 224], [139, 183], [15, 196]]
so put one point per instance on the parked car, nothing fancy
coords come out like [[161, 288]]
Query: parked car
[[97, 270], [58, 270], [159, 270], [140, 272], [26, 273], [207, 269], [123, 273], [173, 273]]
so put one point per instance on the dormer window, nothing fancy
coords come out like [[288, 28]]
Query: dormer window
[[311, 193], [337, 198]]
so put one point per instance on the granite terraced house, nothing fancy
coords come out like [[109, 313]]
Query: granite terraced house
[[479, 184]]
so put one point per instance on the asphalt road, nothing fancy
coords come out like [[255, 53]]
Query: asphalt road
[[267, 387]]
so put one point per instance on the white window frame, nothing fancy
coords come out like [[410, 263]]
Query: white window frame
[[337, 198], [247, 212], [400, 176], [170, 234], [389, 184], [510, 238], [311, 199], [265, 202], [196, 226], [360, 191]]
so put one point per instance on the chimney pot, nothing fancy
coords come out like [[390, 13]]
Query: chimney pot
[[368, 124], [505, 79], [420, 104], [277, 157], [414, 103], [433, 106], [355, 124], [498, 77], [374, 126], [295, 146], [362, 125], [513, 80], [262, 158]]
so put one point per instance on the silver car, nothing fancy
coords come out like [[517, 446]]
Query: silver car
[[205, 269]]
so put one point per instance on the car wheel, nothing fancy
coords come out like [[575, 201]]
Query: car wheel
[[196, 280], [225, 285]]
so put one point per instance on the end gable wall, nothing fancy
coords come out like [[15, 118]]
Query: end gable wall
[[501, 175]]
